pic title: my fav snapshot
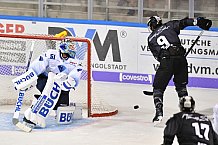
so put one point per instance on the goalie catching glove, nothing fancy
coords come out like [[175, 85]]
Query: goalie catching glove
[[203, 23], [67, 82]]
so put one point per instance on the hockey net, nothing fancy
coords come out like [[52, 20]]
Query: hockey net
[[14, 54]]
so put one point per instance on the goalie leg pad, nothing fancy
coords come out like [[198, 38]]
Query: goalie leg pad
[[27, 118], [64, 114], [31, 119], [47, 100], [78, 111]]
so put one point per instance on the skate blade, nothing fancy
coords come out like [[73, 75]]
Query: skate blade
[[160, 123]]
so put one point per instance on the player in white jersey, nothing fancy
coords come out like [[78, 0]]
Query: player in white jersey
[[63, 63]]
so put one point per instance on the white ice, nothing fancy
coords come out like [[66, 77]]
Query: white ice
[[128, 127]]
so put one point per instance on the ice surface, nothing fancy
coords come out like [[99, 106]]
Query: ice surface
[[129, 127]]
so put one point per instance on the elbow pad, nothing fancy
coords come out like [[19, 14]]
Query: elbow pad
[[25, 81], [187, 22]]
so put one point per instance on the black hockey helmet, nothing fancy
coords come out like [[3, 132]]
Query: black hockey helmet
[[187, 104], [154, 22]]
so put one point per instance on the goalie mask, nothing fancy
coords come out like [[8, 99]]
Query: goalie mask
[[154, 22], [67, 49], [187, 104]]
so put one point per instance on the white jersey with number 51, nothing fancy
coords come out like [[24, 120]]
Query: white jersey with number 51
[[51, 61]]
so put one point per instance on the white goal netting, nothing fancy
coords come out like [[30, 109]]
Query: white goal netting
[[14, 54]]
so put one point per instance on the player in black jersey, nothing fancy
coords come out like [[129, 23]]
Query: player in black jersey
[[189, 127], [165, 46]]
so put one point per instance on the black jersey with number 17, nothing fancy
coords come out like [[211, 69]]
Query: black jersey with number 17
[[191, 129]]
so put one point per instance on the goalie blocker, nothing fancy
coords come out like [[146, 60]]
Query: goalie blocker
[[25, 81]]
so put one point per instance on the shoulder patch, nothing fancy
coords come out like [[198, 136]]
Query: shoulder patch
[[61, 68]]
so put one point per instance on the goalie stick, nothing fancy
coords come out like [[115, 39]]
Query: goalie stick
[[150, 93], [30, 56], [15, 119]]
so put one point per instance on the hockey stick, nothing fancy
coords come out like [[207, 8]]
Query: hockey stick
[[15, 119], [30, 56], [149, 93], [194, 43]]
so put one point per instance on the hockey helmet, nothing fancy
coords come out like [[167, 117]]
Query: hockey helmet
[[154, 22], [187, 104], [68, 47]]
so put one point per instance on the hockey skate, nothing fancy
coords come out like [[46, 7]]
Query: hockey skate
[[158, 117], [28, 123]]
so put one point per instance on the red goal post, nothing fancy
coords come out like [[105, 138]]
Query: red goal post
[[11, 44]]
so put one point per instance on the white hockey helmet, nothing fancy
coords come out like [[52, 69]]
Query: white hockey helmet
[[154, 22], [68, 47], [187, 104]]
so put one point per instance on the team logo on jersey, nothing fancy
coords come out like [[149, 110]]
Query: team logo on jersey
[[61, 68], [73, 63]]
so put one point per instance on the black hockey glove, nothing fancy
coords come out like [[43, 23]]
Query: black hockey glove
[[204, 23]]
